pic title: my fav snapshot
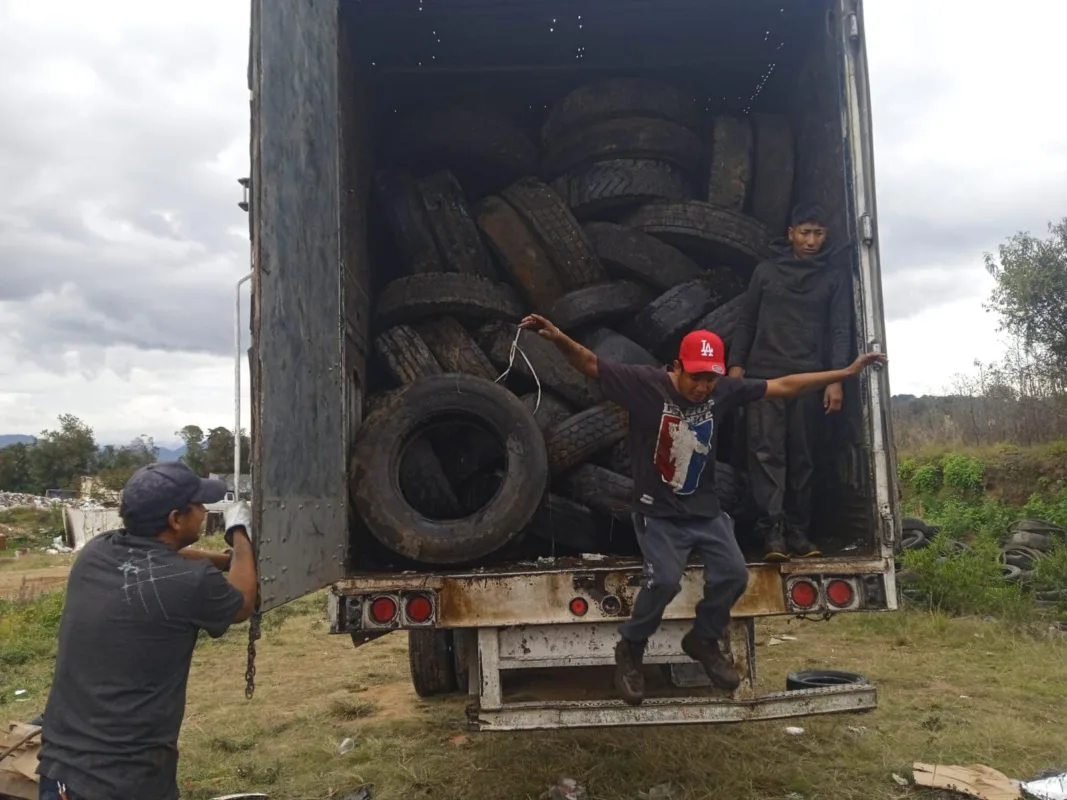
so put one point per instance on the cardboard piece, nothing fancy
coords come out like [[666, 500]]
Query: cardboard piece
[[976, 780]]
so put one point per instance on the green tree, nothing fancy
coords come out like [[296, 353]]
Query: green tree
[[116, 465], [15, 473], [218, 452], [193, 438], [1031, 294], [61, 457]]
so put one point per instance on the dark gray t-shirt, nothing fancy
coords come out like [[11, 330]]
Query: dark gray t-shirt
[[133, 610], [672, 440]]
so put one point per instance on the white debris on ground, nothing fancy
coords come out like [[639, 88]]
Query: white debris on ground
[[20, 500]]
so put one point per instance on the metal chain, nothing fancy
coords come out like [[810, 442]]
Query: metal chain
[[254, 633]]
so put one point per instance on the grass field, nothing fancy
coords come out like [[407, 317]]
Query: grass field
[[950, 691]]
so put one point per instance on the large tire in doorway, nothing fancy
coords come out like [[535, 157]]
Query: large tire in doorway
[[430, 659], [380, 447], [453, 228], [710, 234], [627, 253], [405, 216]]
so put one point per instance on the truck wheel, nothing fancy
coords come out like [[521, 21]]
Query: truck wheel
[[599, 488], [519, 252], [709, 234], [454, 230], [419, 296], [551, 411], [378, 453], [730, 174], [552, 368], [558, 232], [613, 346], [430, 660], [484, 150], [455, 349], [627, 253], [620, 97], [566, 523], [611, 189], [464, 649], [405, 355], [820, 678], [593, 303], [405, 216], [632, 138], [772, 183], [723, 320], [578, 438], [672, 314]]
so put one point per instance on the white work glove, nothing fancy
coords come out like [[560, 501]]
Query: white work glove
[[237, 515]]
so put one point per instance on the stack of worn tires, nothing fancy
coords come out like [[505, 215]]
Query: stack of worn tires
[[632, 220]]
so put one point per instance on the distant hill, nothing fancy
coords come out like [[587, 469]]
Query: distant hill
[[7, 439], [171, 454]]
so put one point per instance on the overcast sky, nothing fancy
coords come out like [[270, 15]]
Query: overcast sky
[[125, 130]]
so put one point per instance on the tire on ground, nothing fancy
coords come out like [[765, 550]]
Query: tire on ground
[[431, 662], [594, 303], [672, 315], [519, 252], [572, 256], [582, 436], [383, 438], [457, 237], [454, 348], [711, 235], [613, 346], [627, 253], [608, 190], [419, 296], [405, 216], [405, 354], [619, 97], [775, 164], [628, 138], [819, 678], [731, 162]]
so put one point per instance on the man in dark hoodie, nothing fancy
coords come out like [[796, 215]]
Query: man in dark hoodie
[[796, 303]]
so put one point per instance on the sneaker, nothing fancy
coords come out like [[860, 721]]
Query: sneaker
[[800, 546], [775, 548], [706, 652], [629, 679]]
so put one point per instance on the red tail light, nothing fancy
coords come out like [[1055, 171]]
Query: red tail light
[[383, 609], [839, 593], [579, 606], [419, 608], [804, 594]]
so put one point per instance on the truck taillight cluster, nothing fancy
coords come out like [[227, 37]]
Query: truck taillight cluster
[[392, 610], [823, 593]]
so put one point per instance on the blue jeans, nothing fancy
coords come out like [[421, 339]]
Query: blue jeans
[[49, 790]]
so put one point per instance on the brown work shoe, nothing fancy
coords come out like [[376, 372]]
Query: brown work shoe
[[800, 545], [629, 679], [720, 669]]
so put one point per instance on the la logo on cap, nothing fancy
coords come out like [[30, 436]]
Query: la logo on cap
[[706, 350]]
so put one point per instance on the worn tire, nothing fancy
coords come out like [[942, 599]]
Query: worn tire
[[627, 253], [730, 171], [599, 488], [913, 540], [457, 237], [820, 678], [405, 216], [420, 296], [1035, 541], [405, 354], [916, 524], [618, 97], [617, 458], [454, 348], [611, 189], [551, 366], [425, 484], [723, 320], [564, 522], [582, 436], [430, 660], [772, 182], [711, 235], [519, 252], [594, 303], [551, 411], [572, 256], [671, 315], [613, 346], [484, 150], [381, 442], [731, 489], [628, 138]]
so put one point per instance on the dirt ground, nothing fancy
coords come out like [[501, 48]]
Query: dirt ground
[[16, 583]]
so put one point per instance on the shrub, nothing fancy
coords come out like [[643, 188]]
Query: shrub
[[927, 479], [906, 470], [963, 473]]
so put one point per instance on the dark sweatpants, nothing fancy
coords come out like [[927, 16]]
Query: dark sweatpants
[[781, 443], [666, 544]]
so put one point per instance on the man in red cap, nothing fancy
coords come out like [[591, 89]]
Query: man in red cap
[[673, 416]]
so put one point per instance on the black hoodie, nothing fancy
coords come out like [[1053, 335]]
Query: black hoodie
[[790, 307]]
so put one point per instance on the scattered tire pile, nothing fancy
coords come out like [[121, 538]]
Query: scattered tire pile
[[630, 221]]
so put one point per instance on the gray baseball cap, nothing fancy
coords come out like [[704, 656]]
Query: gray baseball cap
[[152, 492]]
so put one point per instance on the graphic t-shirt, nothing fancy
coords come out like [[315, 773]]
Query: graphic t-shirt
[[672, 441]]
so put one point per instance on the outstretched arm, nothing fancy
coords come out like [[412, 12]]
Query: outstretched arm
[[581, 358], [793, 385]]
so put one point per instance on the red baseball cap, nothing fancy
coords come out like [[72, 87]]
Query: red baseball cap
[[703, 351]]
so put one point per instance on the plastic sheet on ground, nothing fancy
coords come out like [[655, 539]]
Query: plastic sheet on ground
[[1054, 788]]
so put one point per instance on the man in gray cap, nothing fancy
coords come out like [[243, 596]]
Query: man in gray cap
[[137, 598]]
